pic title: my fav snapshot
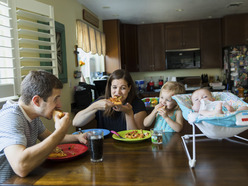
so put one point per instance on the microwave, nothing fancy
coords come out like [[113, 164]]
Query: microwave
[[183, 59]]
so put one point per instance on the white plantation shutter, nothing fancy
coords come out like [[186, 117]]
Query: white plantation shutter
[[32, 46], [6, 52]]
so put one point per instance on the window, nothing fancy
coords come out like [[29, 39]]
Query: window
[[91, 51], [93, 65], [27, 43]]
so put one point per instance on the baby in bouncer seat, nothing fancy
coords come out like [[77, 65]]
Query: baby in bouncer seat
[[205, 104]]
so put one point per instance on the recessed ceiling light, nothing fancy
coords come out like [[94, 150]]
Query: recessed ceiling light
[[210, 17], [179, 10], [105, 7]]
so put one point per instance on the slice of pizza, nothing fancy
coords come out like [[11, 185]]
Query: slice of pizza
[[116, 100], [59, 113], [163, 107], [57, 153]]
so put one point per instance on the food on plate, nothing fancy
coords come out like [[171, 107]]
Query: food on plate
[[59, 113], [116, 100], [57, 153], [71, 147], [136, 135]]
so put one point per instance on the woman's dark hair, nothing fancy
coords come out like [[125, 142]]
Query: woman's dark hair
[[39, 83], [120, 74]]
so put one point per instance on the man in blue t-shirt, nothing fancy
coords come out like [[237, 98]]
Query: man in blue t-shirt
[[20, 125]]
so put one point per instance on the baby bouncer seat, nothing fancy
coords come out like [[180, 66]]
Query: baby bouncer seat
[[218, 126]]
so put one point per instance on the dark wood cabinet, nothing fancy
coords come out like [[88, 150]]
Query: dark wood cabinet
[[151, 48], [158, 47], [129, 47], [111, 28], [235, 30], [145, 47], [141, 48], [211, 52], [182, 35]]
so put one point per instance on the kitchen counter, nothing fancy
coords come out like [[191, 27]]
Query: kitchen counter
[[148, 94]]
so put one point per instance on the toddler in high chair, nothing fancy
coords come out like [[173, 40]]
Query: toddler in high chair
[[167, 113]]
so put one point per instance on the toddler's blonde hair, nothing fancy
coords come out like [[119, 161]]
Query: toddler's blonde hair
[[175, 87]]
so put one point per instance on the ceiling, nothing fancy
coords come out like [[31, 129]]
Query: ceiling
[[155, 11]]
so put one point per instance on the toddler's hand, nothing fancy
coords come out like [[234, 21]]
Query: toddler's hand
[[158, 106], [163, 113]]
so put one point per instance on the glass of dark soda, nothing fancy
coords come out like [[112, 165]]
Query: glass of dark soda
[[95, 145]]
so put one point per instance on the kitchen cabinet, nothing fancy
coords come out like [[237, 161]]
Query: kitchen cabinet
[[145, 47], [211, 53], [151, 48], [158, 47], [111, 28], [235, 30], [182, 35], [129, 47]]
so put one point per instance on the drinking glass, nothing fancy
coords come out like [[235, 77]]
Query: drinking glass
[[95, 145], [156, 136]]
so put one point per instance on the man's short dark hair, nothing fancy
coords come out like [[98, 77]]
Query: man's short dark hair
[[39, 83]]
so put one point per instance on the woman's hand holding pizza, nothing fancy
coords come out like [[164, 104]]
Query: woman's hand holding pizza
[[103, 104], [127, 108], [116, 100]]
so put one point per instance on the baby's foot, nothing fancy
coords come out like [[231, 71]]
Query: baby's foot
[[243, 108], [229, 108]]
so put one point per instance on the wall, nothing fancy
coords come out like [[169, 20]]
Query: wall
[[66, 12]]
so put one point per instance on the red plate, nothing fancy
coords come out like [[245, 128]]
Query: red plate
[[72, 150]]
